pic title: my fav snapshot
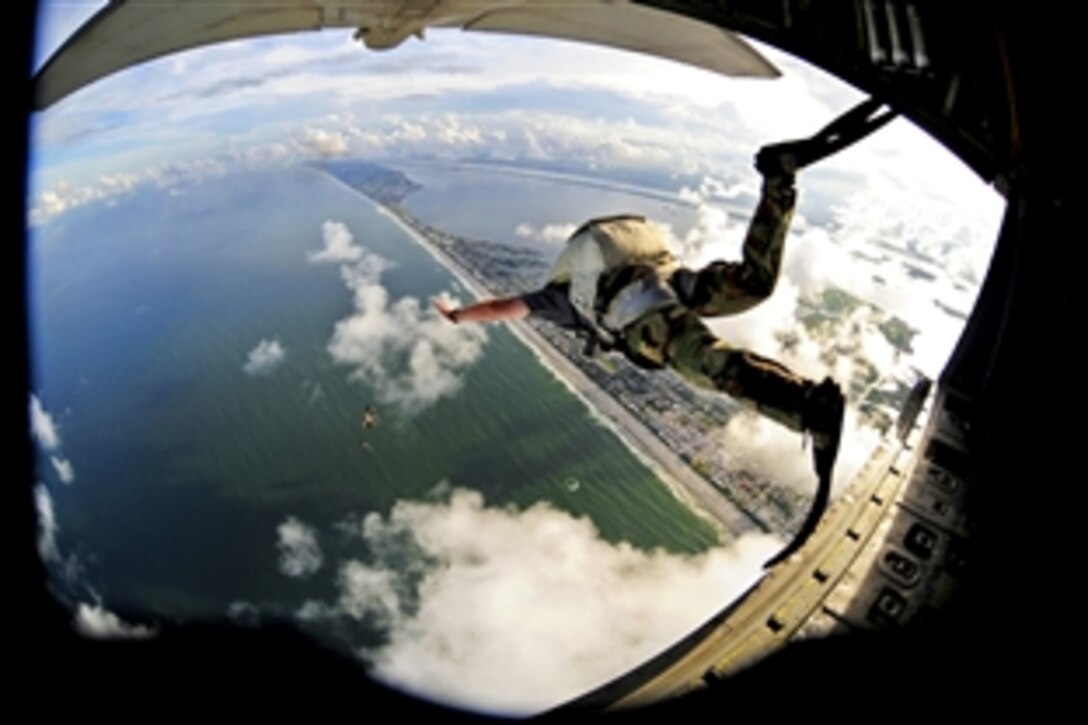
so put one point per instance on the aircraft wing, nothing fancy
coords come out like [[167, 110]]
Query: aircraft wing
[[127, 32]]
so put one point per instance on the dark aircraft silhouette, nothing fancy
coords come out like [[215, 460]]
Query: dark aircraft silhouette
[[980, 78]]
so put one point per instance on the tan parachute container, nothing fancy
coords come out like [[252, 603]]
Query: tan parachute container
[[603, 245]]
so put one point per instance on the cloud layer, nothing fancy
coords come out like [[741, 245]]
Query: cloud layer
[[300, 554], [409, 354], [65, 471], [46, 434], [553, 234], [47, 525], [68, 567], [264, 358], [97, 622], [513, 611], [339, 245], [42, 426], [782, 456]]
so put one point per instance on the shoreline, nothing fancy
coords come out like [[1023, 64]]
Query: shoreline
[[695, 492]]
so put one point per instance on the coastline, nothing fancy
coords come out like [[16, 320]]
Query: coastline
[[688, 487]]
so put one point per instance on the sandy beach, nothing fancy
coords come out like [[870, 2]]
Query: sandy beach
[[690, 488]]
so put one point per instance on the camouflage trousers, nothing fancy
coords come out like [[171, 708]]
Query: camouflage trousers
[[675, 335]]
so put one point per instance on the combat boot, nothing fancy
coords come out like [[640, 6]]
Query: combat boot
[[823, 414]]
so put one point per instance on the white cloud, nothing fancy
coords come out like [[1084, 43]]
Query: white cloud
[[868, 251], [339, 245], [369, 592], [42, 426], [409, 354], [244, 614], [324, 142], [69, 567], [713, 236], [47, 524], [314, 611], [553, 234], [65, 471], [264, 358], [849, 348], [96, 622], [932, 235], [300, 554], [763, 329], [64, 196], [776, 451], [513, 611]]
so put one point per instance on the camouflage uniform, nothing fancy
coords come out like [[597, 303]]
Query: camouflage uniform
[[673, 334]]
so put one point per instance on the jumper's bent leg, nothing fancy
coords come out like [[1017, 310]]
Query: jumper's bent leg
[[676, 337]]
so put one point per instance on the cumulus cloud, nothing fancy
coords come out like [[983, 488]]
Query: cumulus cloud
[[715, 188], [934, 251], [69, 567], [553, 234], [369, 592], [780, 453], [53, 200], [64, 196], [264, 358], [892, 233], [42, 426], [795, 327], [47, 524], [408, 353], [338, 245], [97, 622], [714, 235], [300, 554], [512, 610], [244, 614], [849, 256], [324, 142], [315, 611], [65, 471]]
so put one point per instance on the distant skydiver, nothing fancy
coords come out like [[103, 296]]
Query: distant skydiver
[[370, 417], [370, 420], [617, 284]]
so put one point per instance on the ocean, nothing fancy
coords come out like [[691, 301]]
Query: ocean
[[143, 311], [492, 202]]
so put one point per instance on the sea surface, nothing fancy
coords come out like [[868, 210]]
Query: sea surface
[[483, 202], [143, 312]]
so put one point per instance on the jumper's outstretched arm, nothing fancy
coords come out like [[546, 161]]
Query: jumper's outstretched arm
[[495, 310], [726, 288]]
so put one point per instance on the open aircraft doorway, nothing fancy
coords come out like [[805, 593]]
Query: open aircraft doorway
[[521, 507]]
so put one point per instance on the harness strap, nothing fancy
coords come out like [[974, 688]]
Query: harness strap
[[791, 156]]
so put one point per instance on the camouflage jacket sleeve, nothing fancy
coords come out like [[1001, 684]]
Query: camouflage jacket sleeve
[[552, 303], [726, 288]]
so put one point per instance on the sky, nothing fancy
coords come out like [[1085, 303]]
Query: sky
[[483, 97], [865, 213]]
